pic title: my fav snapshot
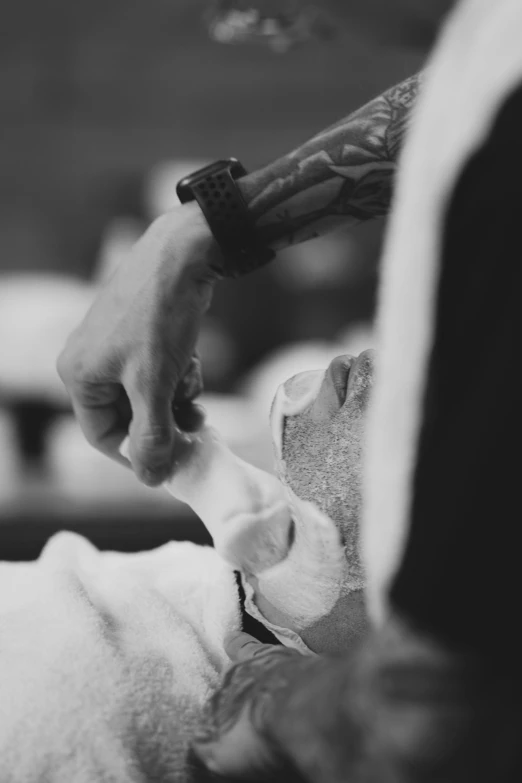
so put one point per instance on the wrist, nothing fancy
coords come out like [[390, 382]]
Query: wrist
[[215, 189], [187, 238]]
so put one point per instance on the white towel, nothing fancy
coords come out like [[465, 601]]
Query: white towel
[[104, 661], [298, 580], [107, 658]]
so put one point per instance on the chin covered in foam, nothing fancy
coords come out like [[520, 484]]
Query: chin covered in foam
[[295, 540], [108, 658]]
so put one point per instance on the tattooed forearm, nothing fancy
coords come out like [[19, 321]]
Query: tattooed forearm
[[250, 686], [235, 729], [282, 716], [344, 174]]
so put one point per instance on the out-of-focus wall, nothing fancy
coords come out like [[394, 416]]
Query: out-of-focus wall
[[93, 91], [95, 96]]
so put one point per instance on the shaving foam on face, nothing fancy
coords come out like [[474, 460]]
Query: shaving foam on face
[[290, 553]]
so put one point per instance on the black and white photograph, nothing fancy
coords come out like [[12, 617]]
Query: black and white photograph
[[260, 391]]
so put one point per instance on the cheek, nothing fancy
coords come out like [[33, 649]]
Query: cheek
[[344, 452], [324, 463]]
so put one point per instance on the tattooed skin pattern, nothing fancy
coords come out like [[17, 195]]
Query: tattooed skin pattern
[[250, 694], [344, 174], [293, 711]]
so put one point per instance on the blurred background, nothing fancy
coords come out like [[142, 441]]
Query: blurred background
[[104, 105]]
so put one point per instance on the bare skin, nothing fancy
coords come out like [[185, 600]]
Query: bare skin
[[330, 408], [232, 738], [397, 707], [344, 175], [321, 461], [129, 366], [295, 540]]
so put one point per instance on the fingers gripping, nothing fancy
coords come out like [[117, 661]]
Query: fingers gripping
[[152, 430]]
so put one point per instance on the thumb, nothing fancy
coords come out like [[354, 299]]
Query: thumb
[[152, 432], [240, 646]]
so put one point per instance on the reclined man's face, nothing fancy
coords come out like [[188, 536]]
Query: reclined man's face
[[321, 443], [298, 548]]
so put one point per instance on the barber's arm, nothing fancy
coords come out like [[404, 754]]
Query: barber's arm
[[131, 360], [344, 175], [283, 716]]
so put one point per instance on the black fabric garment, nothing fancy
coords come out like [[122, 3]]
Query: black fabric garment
[[249, 624], [461, 573]]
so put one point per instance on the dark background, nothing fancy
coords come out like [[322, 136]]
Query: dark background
[[92, 95]]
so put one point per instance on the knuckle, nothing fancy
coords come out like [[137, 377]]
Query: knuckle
[[63, 366], [69, 358], [73, 370], [93, 439], [262, 650]]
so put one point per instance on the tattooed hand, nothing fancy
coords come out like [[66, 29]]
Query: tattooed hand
[[236, 736]]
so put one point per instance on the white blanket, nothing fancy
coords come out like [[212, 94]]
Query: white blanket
[[106, 660]]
